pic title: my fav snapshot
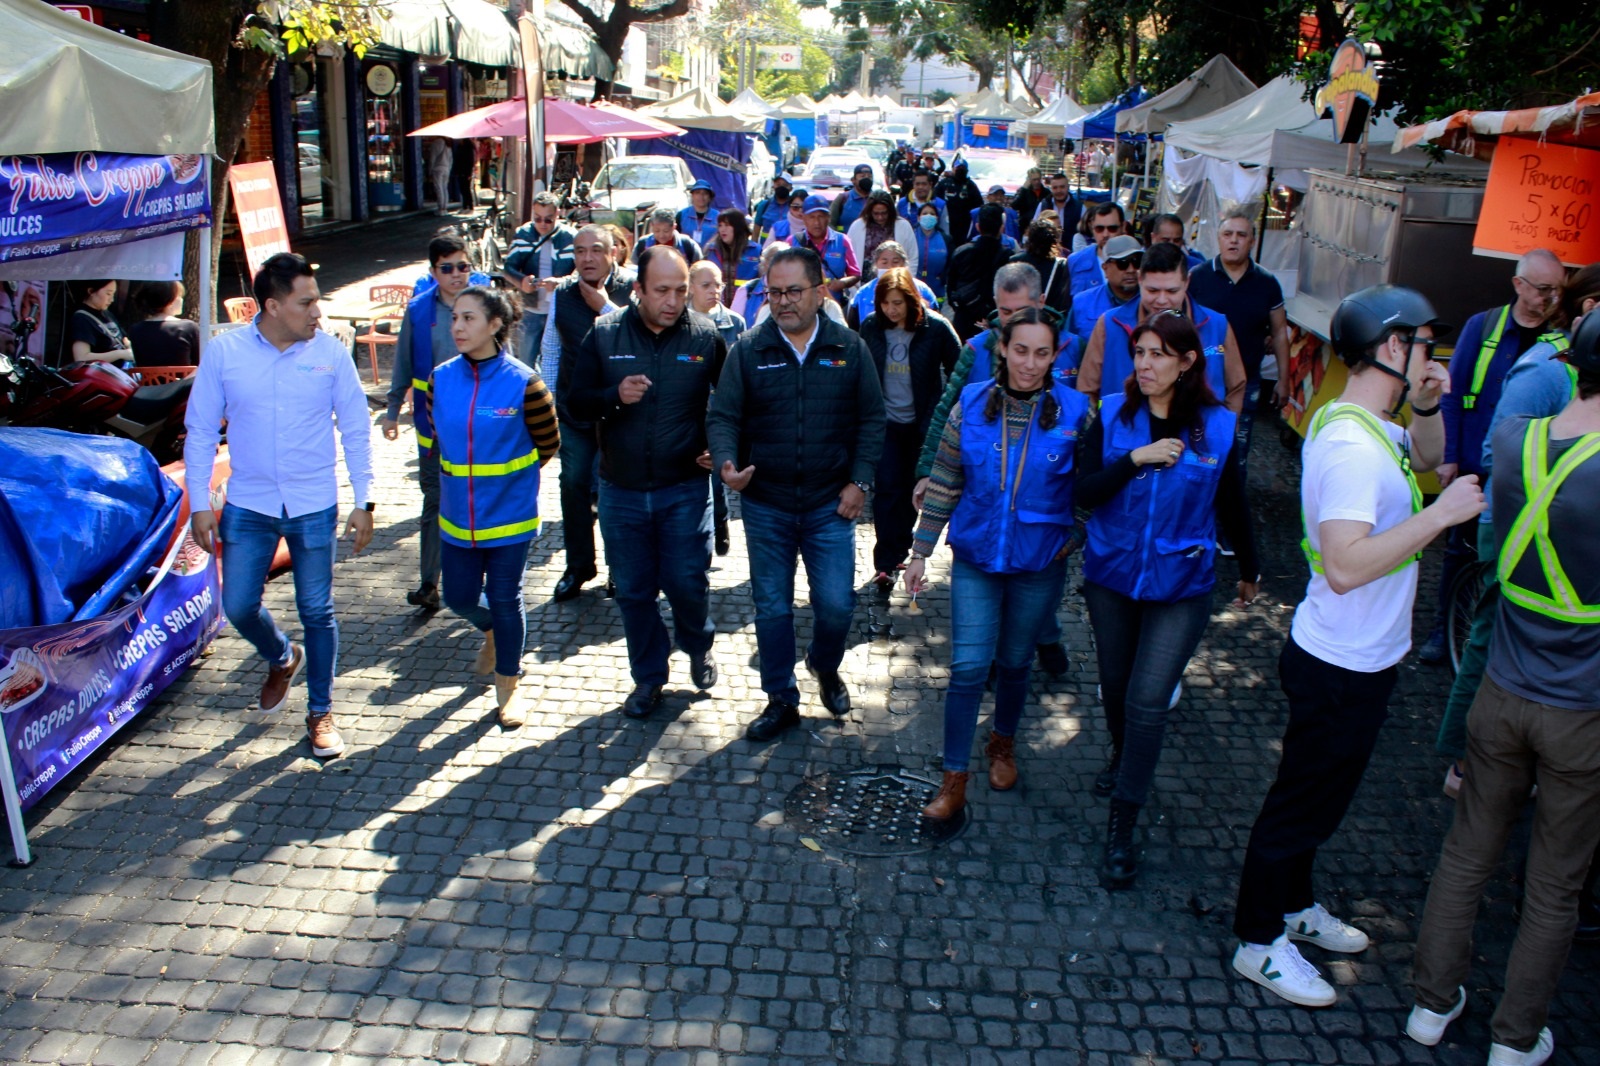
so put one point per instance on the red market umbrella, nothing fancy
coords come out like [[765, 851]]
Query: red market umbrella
[[564, 123]]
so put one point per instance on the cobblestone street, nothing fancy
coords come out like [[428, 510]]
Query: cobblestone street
[[592, 889]]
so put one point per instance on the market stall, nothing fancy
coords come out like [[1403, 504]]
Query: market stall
[[104, 183], [721, 144], [799, 113], [983, 121], [1048, 127]]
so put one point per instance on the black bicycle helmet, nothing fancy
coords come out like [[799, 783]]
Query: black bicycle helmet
[[1364, 318], [1585, 351]]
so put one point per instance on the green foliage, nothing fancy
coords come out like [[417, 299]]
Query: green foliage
[[1101, 82], [774, 22], [285, 27]]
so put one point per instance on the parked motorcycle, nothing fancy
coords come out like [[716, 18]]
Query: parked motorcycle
[[92, 397]]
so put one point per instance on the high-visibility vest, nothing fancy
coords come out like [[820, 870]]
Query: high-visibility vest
[[1350, 412], [1531, 528], [488, 465], [1480, 370]]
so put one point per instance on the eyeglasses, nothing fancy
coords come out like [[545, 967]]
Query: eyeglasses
[[1542, 290], [1173, 311], [1107, 229], [1131, 262], [788, 296], [453, 268], [1429, 345]]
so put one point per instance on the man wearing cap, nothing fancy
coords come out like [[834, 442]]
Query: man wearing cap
[[699, 221], [922, 193], [840, 270], [1067, 207], [962, 199], [1105, 222], [847, 206], [664, 230], [996, 195], [773, 209], [1120, 258], [932, 163]]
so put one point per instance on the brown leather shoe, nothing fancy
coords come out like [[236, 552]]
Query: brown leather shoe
[[1002, 762], [275, 689], [484, 663], [326, 743], [508, 701], [951, 798]]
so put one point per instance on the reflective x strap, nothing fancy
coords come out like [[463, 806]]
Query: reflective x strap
[[1480, 370]]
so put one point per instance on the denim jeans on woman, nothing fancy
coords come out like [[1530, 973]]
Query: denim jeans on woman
[[827, 544], [250, 540], [993, 618], [1142, 647], [469, 573]]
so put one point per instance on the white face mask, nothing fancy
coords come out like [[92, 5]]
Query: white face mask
[[928, 223]]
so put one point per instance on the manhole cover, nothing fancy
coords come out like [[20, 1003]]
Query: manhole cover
[[876, 810]]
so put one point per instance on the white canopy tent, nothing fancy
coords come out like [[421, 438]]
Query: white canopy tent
[[1214, 85], [67, 85], [698, 109], [751, 103], [990, 104], [1053, 120], [798, 106]]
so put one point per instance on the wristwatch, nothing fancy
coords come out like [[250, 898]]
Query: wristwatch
[[370, 507], [863, 486]]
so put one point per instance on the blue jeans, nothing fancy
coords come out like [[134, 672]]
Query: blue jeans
[[993, 618], [468, 574], [659, 541], [428, 482], [827, 543], [580, 448], [531, 336], [1142, 647], [250, 540]]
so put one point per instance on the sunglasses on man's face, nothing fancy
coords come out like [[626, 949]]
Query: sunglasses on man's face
[[454, 268]]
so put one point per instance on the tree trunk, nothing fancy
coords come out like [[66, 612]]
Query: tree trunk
[[985, 70], [206, 29], [1133, 50]]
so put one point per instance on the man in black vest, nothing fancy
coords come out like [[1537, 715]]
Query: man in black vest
[[599, 286], [797, 426], [655, 511]]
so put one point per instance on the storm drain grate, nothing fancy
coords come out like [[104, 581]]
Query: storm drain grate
[[875, 810]]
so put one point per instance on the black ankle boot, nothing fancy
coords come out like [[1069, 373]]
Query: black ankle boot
[[1105, 782], [1121, 864]]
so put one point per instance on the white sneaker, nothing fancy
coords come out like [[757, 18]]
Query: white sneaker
[[1500, 1055], [1281, 968], [1315, 925], [1426, 1027]]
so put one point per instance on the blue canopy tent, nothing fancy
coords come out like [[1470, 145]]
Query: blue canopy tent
[[983, 122], [800, 115], [1102, 125]]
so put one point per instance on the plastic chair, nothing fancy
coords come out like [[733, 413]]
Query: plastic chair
[[395, 298], [160, 375], [240, 308]]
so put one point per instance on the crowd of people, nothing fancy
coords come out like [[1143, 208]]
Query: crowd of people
[[1079, 389]]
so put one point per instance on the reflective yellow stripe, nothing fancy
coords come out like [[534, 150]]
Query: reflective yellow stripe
[[419, 384], [1486, 351], [491, 533], [1365, 419], [424, 442], [488, 469], [1532, 527]]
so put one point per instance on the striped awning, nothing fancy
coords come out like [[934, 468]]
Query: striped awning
[[1474, 132], [473, 31]]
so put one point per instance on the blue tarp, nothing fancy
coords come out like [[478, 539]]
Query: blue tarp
[[1102, 125], [81, 517], [804, 130], [720, 157]]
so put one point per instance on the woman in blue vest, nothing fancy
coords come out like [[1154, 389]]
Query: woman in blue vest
[[933, 253], [792, 224], [1158, 471], [733, 252], [494, 426], [1003, 480]]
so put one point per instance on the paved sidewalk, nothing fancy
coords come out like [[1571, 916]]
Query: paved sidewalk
[[590, 889]]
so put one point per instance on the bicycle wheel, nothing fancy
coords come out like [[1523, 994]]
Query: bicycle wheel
[[1465, 593]]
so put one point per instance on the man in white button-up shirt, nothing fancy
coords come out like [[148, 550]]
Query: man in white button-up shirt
[[282, 385]]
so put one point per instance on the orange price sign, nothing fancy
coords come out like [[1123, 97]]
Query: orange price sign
[[260, 210], [1540, 195]]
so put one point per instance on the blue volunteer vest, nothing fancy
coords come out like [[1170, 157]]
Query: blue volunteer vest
[[702, 230], [423, 309], [1015, 510], [1157, 539], [1122, 321], [488, 466], [1063, 370], [932, 255]]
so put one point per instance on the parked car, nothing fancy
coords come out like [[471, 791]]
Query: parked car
[[833, 168], [877, 147], [895, 132], [310, 173], [993, 166], [629, 182]]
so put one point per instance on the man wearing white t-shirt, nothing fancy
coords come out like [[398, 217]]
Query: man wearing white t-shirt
[[1365, 528]]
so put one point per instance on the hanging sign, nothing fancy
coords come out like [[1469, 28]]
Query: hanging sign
[[65, 201], [260, 210], [1351, 92], [1540, 195], [778, 57]]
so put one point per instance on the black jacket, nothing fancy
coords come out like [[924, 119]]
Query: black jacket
[[1057, 292], [573, 319], [934, 350], [653, 443], [961, 197], [970, 289], [809, 429]]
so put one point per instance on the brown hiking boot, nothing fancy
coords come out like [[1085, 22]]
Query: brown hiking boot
[[1002, 762], [275, 689], [951, 798], [484, 663], [326, 743]]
